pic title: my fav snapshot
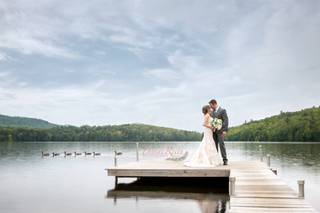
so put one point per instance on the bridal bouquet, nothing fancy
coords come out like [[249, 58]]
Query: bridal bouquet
[[217, 123]]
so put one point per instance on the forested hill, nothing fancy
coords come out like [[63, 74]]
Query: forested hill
[[8, 121], [127, 132], [302, 125]]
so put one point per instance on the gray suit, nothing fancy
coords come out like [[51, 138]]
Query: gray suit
[[218, 136]]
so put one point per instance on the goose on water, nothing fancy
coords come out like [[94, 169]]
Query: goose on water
[[117, 153], [45, 154], [87, 153], [96, 153], [67, 153], [77, 153], [55, 154]]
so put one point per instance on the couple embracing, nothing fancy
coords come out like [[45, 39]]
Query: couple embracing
[[215, 127]]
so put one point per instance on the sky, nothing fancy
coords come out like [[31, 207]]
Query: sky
[[103, 62]]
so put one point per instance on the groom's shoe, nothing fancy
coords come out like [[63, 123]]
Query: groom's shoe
[[225, 162]]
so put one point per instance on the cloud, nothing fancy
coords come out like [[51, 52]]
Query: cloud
[[162, 74], [3, 56], [27, 45], [158, 62], [25, 29]]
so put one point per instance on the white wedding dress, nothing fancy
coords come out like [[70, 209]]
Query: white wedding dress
[[206, 154]]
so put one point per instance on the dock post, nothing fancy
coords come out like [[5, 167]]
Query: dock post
[[301, 188], [137, 151], [268, 160], [116, 181], [115, 159], [232, 181], [260, 151]]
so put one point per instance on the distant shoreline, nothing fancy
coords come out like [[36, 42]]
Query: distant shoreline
[[300, 126]]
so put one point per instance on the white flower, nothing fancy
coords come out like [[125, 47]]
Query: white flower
[[217, 123]]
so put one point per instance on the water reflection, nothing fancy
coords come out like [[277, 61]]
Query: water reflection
[[209, 199], [79, 184]]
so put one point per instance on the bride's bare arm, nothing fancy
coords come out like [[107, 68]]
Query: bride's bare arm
[[206, 122]]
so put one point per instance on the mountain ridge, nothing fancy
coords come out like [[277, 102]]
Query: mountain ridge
[[18, 121]]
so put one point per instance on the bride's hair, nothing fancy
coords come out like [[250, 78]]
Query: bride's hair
[[205, 109]]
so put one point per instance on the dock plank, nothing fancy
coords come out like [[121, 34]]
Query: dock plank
[[166, 169]]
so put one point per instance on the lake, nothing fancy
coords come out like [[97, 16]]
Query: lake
[[32, 183]]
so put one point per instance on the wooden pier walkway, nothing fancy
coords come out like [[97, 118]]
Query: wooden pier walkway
[[257, 188]]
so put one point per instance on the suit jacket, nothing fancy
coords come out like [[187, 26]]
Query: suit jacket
[[222, 114]]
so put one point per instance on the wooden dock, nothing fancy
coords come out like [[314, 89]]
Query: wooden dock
[[165, 169], [256, 189]]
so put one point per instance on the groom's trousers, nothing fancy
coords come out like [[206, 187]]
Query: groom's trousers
[[219, 140]]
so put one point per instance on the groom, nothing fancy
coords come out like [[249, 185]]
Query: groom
[[218, 135]]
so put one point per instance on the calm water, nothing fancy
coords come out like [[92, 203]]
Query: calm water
[[30, 183]]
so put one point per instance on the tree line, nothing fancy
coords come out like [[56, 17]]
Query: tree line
[[303, 125], [127, 132]]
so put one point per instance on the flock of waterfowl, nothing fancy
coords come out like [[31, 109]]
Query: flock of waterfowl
[[56, 154]]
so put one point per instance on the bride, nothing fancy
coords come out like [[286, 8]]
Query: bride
[[206, 154]]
